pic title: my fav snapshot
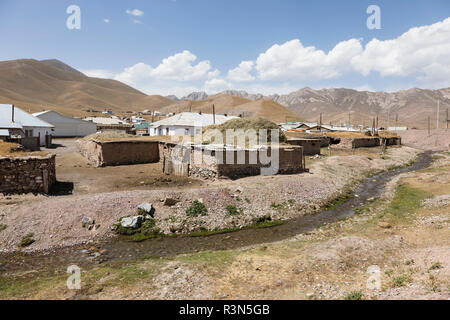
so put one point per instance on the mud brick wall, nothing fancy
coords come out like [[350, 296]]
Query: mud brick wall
[[352, 143], [310, 146], [27, 174], [115, 153]]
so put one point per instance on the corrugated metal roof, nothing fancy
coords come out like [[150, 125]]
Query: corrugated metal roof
[[21, 118], [106, 121], [142, 125], [190, 119]]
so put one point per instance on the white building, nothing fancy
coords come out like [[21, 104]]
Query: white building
[[67, 126], [21, 123], [185, 124]]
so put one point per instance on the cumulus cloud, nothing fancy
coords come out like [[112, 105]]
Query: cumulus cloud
[[99, 73], [242, 72], [293, 61], [420, 56], [135, 12], [422, 52], [106, 20]]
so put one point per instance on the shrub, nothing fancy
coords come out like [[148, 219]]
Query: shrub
[[355, 295], [402, 280], [196, 209], [3, 227], [435, 266], [27, 240], [232, 210], [263, 219]]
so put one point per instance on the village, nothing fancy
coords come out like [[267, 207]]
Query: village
[[89, 190]]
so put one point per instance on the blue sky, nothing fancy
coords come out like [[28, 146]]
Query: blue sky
[[269, 46]]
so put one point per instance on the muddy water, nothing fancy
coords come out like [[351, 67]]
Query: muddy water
[[122, 250]]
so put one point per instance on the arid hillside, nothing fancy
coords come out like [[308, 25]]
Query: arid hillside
[[413, 106], [38, 85]]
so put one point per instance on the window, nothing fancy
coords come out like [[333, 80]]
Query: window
[[28, 132], [186, 131]]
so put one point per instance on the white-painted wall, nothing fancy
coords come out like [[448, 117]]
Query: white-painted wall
[[41, 131], [173, 131], [67, 126]]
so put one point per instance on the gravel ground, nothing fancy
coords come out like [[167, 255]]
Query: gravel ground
[[56, 221], [438, 140]]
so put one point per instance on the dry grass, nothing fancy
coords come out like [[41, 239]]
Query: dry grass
[[347, 135], [245, 124], [9, 149]]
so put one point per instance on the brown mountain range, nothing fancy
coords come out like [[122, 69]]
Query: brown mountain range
[[50, 84]]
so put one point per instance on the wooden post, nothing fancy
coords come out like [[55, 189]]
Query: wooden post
[[320, 122], [214, 114], [447, 118], [437, 116]]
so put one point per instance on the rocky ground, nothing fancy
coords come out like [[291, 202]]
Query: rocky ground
[[56, 221], [437, 140], [396, 247]]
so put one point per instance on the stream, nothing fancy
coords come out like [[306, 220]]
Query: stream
[[119, 250]]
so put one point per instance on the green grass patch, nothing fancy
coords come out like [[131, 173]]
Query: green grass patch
[[3, 227], [355, 295], [27, 240], [338, 201], [259, 224], [197, 209], [233, 210], [401, 280], [406, 201]]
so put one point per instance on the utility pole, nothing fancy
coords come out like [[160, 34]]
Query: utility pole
[[320, 122], [447, 118], [389, 119], [428, 125], [396, 122], [437, 117], [349, 118], [214, 114]]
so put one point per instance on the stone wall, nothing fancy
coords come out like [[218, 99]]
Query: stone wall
[[310, 146], [202, 161], [27, 174], [114, 153], [353, 143]]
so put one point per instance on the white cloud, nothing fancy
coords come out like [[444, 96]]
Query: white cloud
[[293, 61], [422, 52], [135, 12], [106, 20], [179, 67], [99, 73], [242, 72], [421, 56]]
